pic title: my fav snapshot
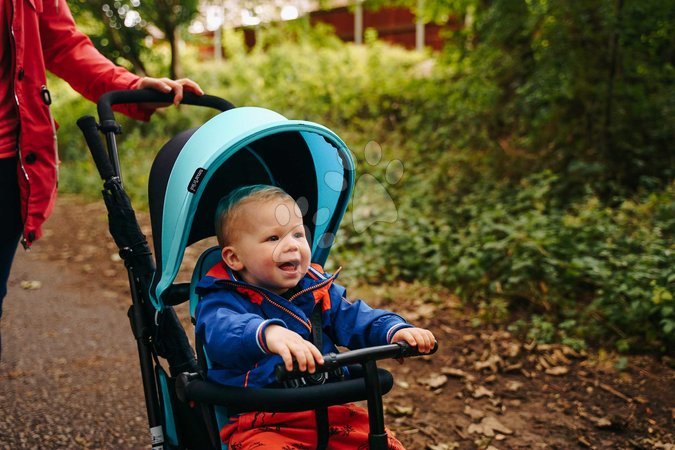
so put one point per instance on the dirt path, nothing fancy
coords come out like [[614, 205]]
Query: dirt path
[[69, 376]]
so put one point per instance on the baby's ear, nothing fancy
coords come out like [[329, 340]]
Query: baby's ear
[[231, 259]]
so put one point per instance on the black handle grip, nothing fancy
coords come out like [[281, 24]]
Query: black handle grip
[[332, 361], [107, 100], [89, 128]]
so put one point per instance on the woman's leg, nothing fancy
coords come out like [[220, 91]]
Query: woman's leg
[[10, 224]]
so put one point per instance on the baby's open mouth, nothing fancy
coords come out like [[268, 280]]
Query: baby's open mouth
[[288, 266]]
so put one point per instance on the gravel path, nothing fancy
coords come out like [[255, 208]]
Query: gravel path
[[69, 374]]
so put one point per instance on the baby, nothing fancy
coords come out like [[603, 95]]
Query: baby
[[256, 309]]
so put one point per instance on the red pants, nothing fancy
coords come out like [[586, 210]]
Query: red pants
[[348, 430]]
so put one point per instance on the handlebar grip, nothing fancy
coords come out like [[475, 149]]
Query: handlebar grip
[[89, 128], [107, 100], [334, 360]]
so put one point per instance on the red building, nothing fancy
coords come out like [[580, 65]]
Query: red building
[[396, 25]]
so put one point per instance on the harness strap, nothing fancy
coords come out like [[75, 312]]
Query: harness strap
[[322, 428], [317, 326], [321, 413]]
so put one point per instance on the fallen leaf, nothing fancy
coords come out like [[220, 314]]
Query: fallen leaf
[[560, 358], [451, 446], [513, 367], [543, 363], [496, 425], [513, 349], [513, 385], [457, 373], [492, 362], [31, 285], [583, 441], [482, 391], [475, 414], [603, 422], [569, 351], [476, 428], [434, 381], [400, 410], [488, 426], [557, 370]]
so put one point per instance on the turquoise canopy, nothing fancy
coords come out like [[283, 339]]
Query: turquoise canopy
[[246, 145]]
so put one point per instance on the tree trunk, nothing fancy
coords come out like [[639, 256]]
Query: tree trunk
[[175, 70]]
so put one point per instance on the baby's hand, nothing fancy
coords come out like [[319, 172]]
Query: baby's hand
[[290, 345], [417, 337]]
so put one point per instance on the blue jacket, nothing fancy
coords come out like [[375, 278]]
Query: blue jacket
[[232, 316]]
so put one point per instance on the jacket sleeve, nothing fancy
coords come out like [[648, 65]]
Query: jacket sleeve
[[232, 335], [70, 54], [357, 325]]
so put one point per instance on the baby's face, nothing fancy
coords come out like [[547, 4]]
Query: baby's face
[[271, 244]]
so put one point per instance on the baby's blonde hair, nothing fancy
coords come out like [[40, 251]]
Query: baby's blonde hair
[[229, 206]]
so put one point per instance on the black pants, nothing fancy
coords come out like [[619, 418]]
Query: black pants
[[10, 220]]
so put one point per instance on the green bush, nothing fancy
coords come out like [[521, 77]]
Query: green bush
[[589, 271], [474, 211]]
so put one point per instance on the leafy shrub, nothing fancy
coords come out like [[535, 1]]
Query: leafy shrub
[[473, 214], [601, 274]]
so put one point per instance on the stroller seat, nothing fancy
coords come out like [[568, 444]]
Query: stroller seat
[[213, 397]]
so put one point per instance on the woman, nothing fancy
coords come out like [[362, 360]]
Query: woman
[[40, 35]]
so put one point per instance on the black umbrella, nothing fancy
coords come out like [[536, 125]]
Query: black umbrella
[[161, 328]]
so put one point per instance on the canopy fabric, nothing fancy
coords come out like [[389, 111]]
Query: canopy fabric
[[246, 145]]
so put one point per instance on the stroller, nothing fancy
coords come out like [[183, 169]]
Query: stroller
[[191, 172]]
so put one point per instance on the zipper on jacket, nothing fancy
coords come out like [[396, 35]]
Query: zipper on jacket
[[307, 324], [24, 211], [316, 286]]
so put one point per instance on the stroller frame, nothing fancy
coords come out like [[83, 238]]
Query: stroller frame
[[158, 332]]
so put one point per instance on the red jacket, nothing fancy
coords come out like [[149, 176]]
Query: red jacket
[[44, 37]]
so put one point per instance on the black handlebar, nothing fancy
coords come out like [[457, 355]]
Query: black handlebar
[[104, 160], [107, 100], [333, 361], [89, 128], [110, 98]]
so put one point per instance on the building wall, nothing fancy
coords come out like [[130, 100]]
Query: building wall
[[395, 25]]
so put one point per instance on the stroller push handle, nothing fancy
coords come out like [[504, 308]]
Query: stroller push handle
[[89, 128], [107, 100], [334, 361]]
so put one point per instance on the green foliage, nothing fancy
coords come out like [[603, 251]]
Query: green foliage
[[510, 196], [324, 80], [599, 273], [583, 88]]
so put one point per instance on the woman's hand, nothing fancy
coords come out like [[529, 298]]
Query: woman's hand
[[167, 85]]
